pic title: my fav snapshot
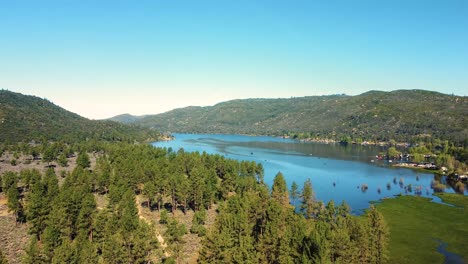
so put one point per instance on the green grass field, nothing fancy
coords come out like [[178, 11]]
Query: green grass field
[[415, 223]]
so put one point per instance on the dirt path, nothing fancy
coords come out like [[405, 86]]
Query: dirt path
[[160, 238]]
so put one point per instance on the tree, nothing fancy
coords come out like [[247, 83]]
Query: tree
[[9, 179], [33, 254], [378, 235], [49, 154], [199, 218], [14, 205], [417, 158], [102, 174], [128, 212], [174, 237], [62, 160], [308, 203], [83, 160], [164, 217], [279, 190], [294, 193], [37, 209], [197, 187], [65, 253], [142, 243], [86, 215], [392, 152], [51, 183], [150, 191]]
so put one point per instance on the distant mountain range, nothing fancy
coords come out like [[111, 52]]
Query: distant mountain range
[[25, 118], [399, 115]]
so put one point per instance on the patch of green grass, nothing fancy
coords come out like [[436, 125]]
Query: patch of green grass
[[455, 199], [415, 222]]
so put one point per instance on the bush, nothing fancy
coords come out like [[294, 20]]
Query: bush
[[198, 221], [164, 217], [460, 187], [437, 186]]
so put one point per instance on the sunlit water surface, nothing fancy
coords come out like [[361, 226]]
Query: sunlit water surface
[[336, 172]]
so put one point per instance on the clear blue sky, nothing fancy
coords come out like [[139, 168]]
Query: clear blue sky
[[102, 58]]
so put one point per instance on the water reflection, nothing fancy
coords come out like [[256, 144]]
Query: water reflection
[[340, 173]]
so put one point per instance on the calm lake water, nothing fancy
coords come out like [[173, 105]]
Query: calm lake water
[[336, 172]]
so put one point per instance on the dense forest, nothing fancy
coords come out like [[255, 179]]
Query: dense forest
[[373, 116], [25, 118], [254, 224]]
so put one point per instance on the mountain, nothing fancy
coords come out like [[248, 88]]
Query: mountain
[[126, 118], [25, 118], [399, 115]]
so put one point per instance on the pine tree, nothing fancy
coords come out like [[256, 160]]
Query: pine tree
[[294, 193], [86, 215], [33, 254], [143, 243], [51, 239], [163, 217], [197, 187], [199, 218], [113, 249], [49, 154], [65, 253], [128, 212], [13, 202], [279, 190], [37, 209], [102, 174], [83, 160], [62, 160], [378, 236], [9, 179], [150, 191], [51, 183], [174, 237], [308, 203]]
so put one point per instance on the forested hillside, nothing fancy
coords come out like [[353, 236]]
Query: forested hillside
[[25, 118], [93, 216], [126, 118], [399, 115]]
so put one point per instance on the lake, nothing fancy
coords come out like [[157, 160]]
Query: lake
[[337, 172]]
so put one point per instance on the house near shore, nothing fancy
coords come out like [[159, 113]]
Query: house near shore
[[428, 166]]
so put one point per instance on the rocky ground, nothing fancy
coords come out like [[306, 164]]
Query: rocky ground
[[13, 237]]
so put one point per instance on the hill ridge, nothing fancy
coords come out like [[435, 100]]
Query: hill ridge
[[28, 117], [399, 115]]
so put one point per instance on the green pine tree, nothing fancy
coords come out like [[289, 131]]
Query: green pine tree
[[294, 193], [279, 190], [308, 203], [83, 160], [378, 234]]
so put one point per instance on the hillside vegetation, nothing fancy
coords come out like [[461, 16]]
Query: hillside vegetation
[[400, 115], [93, 214], [26, 118], [126, 118]]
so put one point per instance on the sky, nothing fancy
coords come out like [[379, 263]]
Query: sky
[[104, 58]]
